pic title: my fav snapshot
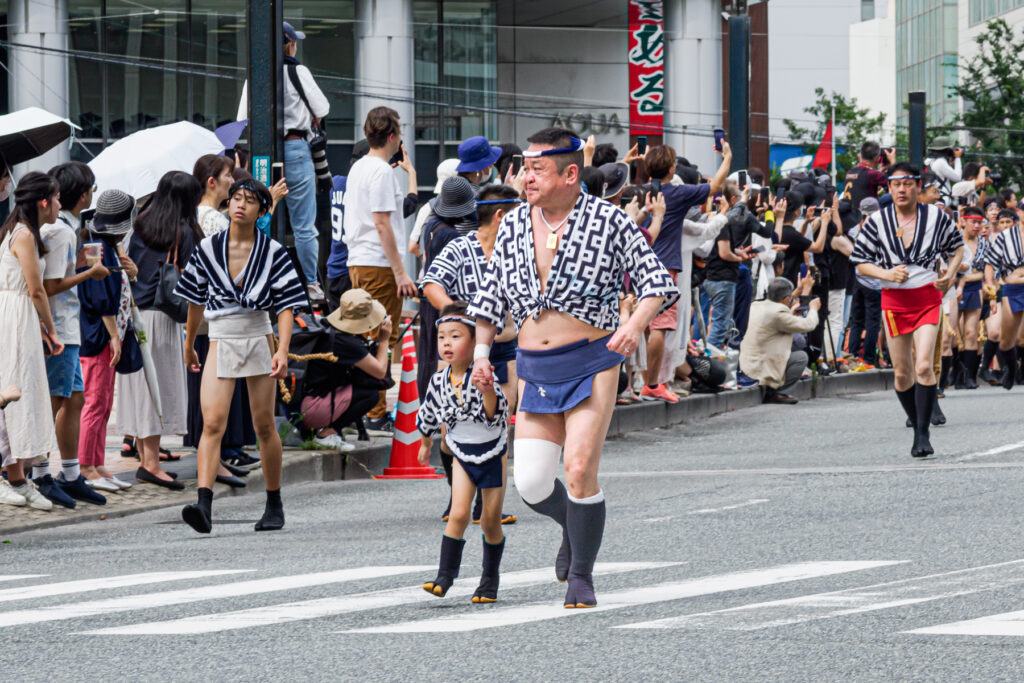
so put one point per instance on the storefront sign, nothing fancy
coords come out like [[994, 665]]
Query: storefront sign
[[261, 169], [588, 123], [646, 68]]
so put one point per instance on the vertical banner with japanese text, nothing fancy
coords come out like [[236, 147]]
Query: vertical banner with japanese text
[[646, 68]]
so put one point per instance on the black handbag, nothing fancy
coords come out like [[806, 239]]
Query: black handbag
[[131, 353], [166, 301]]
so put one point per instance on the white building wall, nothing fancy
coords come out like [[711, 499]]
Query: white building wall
[[873, 70], [39, 79], [809, 47]]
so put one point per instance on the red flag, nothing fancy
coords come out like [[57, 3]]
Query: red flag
[[823, 157]]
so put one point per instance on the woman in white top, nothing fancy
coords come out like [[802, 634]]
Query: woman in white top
[[213, 172], [23, 306]]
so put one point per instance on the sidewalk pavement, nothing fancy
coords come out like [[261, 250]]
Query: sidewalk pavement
[[371, 457]]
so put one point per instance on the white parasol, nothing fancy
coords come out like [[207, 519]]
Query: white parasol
[[136, 163]]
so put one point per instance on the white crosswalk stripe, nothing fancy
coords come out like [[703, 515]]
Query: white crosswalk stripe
[[1006, 624], [859, 600], [345, 604], [67, 587], [152, 600], [509, 616], [19, 577]]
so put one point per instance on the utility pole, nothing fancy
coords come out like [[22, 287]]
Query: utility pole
[[916, 107], [739, 84], [264, 23]]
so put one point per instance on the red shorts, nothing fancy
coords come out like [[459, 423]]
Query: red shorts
[[669, 318], [905, 310]]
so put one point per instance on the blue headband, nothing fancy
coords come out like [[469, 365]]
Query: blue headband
[[456, 319], [904, 177], [575, 145], [499, 201]]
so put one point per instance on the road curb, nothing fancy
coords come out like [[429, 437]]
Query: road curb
[[363, 463]]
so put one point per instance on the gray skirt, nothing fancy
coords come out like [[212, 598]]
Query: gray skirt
[[243, 347]]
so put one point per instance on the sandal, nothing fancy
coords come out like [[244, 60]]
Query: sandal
[[128, 449], [167, 456]]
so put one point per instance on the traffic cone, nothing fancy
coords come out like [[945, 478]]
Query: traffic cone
[[405, 445]]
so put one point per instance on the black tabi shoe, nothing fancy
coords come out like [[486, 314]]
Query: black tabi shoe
[[922, 447], [273, 513], [938, 417], [564, 558], [448, 567], [580, 593], [199, 515], [487, 591]]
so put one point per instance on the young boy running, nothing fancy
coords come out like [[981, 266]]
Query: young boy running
[[478, 438]]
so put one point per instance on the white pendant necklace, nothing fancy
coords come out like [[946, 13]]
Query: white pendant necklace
[[552, 242]]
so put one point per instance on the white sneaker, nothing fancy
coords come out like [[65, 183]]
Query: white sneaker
[[32, 496], [334, 442], [102, 484], [8, 496], [315, 292]]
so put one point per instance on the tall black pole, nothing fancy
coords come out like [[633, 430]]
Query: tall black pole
[[739, 90], [917, 121], [264, 23]]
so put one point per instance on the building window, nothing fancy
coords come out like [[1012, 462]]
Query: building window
[[456, 77], [146, 82]]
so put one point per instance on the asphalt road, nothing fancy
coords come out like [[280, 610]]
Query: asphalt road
[[776, 543]]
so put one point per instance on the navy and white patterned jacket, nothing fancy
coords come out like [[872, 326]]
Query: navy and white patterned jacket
[[466, 424], [599, 247]]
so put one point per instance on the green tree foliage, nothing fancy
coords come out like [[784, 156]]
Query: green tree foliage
[[992, 88], [854, 125]]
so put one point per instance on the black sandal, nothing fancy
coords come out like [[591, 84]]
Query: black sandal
[[167, 456], [131, 451]]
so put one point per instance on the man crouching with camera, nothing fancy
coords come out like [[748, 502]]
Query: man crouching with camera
[[767, 352]]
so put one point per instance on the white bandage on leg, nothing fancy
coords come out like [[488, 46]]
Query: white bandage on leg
[[591, 500], [536, 466]]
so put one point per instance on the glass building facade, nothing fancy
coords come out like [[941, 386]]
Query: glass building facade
[[985, 10], [926, 55], [130, 68]]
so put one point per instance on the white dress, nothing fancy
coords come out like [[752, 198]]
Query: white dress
[[29, 421]]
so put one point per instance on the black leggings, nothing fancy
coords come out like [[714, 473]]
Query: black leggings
[[363, 400]]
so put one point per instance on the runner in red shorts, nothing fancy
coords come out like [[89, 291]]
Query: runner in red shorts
[[901, 245]]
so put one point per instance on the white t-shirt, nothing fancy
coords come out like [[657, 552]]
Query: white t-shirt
[[59, 262], [965, 189], [371, 187]]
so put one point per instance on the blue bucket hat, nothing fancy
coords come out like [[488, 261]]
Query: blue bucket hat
[[476, 154]]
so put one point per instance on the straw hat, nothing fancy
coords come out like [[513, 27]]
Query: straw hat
[[357, 312]]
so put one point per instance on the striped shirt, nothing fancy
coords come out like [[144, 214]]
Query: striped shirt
[[935, 238], [1007, 252], [977, 260], [267, 283], [465, 420], [459, 268], [601, 244]]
